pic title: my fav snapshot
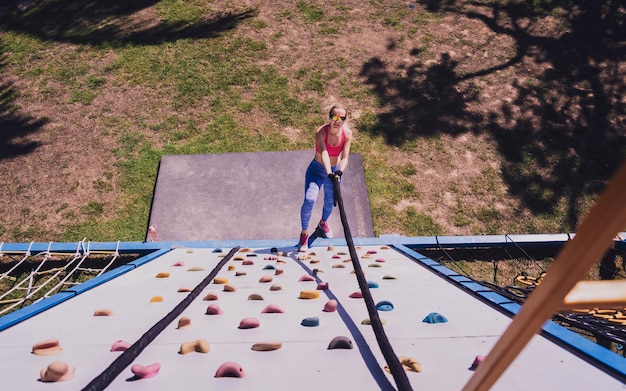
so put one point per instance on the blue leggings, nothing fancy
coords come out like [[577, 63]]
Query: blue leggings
[[314, 179]]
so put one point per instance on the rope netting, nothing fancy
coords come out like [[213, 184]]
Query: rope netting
[[524, 273], [28, 277]]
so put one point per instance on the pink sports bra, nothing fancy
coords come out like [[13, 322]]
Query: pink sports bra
[[332, 150]]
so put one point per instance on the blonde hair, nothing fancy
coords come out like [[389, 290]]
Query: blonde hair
[[336, 106]]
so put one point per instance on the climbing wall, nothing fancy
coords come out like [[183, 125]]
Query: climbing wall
[[275, 319]]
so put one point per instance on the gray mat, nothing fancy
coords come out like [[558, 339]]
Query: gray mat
[[248, 196]]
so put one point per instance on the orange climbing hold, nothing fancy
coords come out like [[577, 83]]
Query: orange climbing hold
[[184, 323], [210, 296], [266, 279], [57, 371], [47, 347]]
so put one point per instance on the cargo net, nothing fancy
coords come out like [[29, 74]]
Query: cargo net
[[27, 277], [514, 273]]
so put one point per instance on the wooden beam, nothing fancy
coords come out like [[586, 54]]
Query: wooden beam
[[596, 294], [593, 237]]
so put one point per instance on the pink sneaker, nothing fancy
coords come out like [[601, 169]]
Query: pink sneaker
[[328, 233], [303, 240]]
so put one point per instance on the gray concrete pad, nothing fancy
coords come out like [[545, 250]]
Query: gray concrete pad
[[248, 195]]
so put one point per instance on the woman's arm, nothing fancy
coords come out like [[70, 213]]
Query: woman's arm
[[345, 153]]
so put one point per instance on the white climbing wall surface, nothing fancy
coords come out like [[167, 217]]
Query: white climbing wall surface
[[261, 300]]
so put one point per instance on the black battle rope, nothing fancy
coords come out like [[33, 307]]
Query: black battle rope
[[396, 369], [103, 380]]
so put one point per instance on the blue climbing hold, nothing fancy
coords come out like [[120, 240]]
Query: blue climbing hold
[[313, 321], [372, 284], [217, 250], [384, 305], [269, 267], [435, 317]]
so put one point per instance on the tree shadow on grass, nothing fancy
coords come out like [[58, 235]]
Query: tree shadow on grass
[[562, 137], [112, 22], [105, 22], [14, 127]]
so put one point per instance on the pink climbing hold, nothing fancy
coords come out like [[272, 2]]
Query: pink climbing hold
[[477, 361], [249, 323], [330, 306], [145, 372], [120, 346], [322, 286], [356, 295], [230, 369], [306, 277], [272, 309], [380, 260], [178, 263], [214, 309], [247, 262]]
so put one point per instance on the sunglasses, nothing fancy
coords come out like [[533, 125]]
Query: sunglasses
[[335, 117]]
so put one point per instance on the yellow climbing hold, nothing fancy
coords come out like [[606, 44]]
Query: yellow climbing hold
[[163, 275], [220, 280], [309, 294], [156, 299], [200, 346], [408, 363]]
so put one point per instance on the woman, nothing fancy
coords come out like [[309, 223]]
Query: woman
[[332, 149]]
